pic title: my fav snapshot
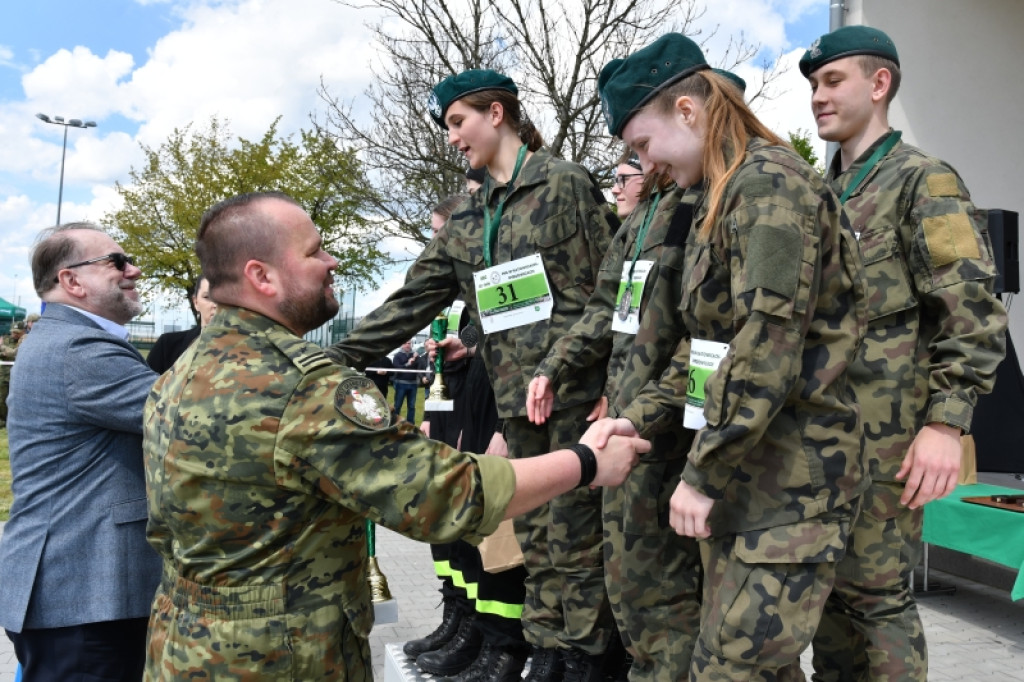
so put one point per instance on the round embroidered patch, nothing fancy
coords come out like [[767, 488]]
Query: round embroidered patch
[[358, 399], [434, 105]]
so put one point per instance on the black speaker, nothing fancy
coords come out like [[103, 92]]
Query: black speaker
[[1002, 229], [998, 425]]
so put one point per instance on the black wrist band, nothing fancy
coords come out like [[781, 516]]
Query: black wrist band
[[588, 463]]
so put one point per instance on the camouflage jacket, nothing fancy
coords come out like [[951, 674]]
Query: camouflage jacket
[[263, 460], [634, 360], [936, 332], [556, 210], [9, 348], [779, 279]]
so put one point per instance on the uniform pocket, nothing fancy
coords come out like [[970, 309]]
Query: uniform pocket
[[886, 271], [565, 252]]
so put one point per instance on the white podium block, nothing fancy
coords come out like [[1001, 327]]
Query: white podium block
[[400, 668]]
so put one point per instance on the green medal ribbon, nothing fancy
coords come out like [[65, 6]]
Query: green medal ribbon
[[642, 235], [491, 226], [371, 538], [882, 150]]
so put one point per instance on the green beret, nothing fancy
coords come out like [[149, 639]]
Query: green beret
[[847, 42], [736, 80], [626, 85], [454, 88]]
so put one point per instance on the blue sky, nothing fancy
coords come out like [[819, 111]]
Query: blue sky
[[140, 68]]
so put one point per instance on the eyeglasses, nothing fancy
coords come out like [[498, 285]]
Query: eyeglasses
[[120, 261], [622, 178]]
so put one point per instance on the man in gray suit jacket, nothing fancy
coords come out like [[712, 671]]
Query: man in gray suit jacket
[[77, 576]]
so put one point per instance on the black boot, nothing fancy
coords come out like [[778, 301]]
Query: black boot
[[617, 661], [450, 619], [495, 664], [582, 667], [545, 665], [456, 655]]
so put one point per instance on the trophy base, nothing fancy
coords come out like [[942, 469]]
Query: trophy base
[[439, 406], [385, 612]]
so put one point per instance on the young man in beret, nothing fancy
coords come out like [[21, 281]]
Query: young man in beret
[[935, 336]]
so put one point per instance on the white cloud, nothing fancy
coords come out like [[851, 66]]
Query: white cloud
[[249, 62], [761, 22], [78, 83]]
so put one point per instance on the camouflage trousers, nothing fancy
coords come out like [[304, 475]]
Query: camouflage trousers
[[871, 629], [764, 592], [653, 575], [566, 604]]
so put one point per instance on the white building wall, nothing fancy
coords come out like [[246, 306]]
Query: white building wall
[[962, 96]]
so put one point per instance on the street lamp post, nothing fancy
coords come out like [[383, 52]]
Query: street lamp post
[[73, 123]]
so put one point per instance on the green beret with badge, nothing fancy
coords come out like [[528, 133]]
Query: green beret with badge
[[627, 85], [456, 87], [847, 42]]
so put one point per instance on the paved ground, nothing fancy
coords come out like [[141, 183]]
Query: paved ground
[[975, 634]]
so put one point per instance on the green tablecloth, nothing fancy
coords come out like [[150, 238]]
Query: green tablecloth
[[987, 532]]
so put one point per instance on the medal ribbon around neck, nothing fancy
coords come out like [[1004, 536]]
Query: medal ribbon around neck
[[627, 294], [491, 225], [882, 150]]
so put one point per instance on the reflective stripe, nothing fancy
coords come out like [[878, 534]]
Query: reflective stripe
[[443, 569], [499, 608], [459, 580]]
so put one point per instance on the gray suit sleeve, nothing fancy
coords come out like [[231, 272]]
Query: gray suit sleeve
[[110, 388]]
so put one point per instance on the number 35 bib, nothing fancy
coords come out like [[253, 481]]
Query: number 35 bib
[[513, 294]]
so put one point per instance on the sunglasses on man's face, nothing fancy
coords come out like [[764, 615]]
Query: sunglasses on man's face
[[120, 261]]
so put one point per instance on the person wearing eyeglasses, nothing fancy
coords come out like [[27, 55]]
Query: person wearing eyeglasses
[[628, 186], [629, 332], [77, 573]]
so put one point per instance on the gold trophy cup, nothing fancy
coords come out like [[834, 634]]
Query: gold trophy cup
[[437, 398], [379, 591]]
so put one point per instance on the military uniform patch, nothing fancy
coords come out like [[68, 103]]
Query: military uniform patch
[[943, 185], [359, 400], [950, 238], [434, 105]]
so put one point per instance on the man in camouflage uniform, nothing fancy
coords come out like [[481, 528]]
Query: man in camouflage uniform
[[263, 458], [773, 478], [652, 574], [8, 351], [935, 337], [553, 210]]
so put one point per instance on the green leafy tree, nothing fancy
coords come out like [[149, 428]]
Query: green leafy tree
[[801, 142], [193, 169]]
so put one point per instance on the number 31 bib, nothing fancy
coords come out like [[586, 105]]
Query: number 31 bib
[[513, 294]]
